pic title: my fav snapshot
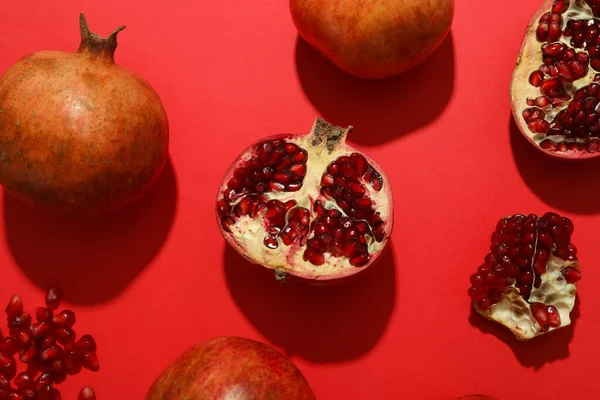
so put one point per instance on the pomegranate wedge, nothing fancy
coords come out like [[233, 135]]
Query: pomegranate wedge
[[528, 279]]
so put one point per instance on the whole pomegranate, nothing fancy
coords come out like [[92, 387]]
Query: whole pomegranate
[[555, 87], [476, 397], [78, 133], [231, 368], [309, 206], [528, 279], [374, 38]]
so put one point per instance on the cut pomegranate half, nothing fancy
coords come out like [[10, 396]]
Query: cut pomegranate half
[[528, 279], [555, 87], [309, 206]]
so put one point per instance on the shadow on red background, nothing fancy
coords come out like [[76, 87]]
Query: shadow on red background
[[563, 184], [320, 324], [536, 352], [91, 260], [379, 110]]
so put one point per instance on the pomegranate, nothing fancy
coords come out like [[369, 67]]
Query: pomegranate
[[308, 206], [231, 368], [476, 397], [528, 279], [555, 86], [47, 346], [373, 38], [78, 133]]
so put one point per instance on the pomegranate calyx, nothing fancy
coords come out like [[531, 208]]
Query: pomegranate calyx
[[323, 131], [95, 46]]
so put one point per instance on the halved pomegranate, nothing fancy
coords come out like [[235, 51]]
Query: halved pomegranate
[[528, 279], [555, 87], [309, 206]]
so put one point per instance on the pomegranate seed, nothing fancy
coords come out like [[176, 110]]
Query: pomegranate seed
[[15, 306], [86, 342], [4, 382], [571, 274], [41, 329], [9, 346], [27, 355], [23, 381], [87, 393], [43, 380], [90, 361], [8, 367], [15, 396], [314, 257], [42, 314], [52, 353], [53, 297]]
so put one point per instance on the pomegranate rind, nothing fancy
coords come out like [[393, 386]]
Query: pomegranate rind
[[303, 271], [529, 59], [515, 313]]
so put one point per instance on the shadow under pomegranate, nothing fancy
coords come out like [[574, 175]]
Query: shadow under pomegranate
[[534, 353], [562, 184], [379, 110], [91, 260], [319, 324]]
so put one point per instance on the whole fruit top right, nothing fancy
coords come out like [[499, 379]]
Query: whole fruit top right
[[374, 38], [555, 87]]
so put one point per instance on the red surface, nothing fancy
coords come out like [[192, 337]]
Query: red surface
[[157, 278]]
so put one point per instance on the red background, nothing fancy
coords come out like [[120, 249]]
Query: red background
[[152, 280]]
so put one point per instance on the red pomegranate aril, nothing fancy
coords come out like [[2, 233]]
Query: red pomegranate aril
[[14, 395], [24, 337], [571, 274], [53, 298], [4, 382], [9, 346], [41, 329], [86, 342], [43, 380], [43, 314], [8, 367], [52, 353], [64, 335], [73, 362], [23, 380], [90, 361], [14, 307], [27, 355], [87, 393]]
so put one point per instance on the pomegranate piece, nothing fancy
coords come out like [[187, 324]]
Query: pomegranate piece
[[528, 279], [555, 91], [14, 307], [231, 368], [309, 206]]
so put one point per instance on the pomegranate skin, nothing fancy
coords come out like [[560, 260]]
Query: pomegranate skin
[[78, 133], [374, 39], [231, 367]]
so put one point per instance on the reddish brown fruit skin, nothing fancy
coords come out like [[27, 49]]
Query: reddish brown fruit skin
[[476, 397], [79, 133], [392, 37], [231, 367]]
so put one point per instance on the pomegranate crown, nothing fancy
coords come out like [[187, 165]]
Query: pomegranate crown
[[95, 46]]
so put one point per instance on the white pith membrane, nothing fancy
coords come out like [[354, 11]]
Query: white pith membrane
[[247, 234], [529, 60], [514, 312]]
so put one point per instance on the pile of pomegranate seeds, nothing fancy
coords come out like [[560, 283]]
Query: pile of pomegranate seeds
[[566, 112], [532, 258], [47, 344]]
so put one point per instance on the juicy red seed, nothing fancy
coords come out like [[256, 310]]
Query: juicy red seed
[[23, 380], [90, 361], [87, 393], [313, 257], [478, 293], [51, 354], [42, 314], [41, 329], [9, 346], [64, 335], [46, 342], [27, 355], [546, 316], [24, 337], [4, 383], [14, 307], [86, 342], [13, 395], [53, 297], [360, 259], [271, 242], [8, 367], [535, 79], [571, 274]]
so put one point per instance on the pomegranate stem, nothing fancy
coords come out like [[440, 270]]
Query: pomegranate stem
[[95, 46], [323, 131]]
